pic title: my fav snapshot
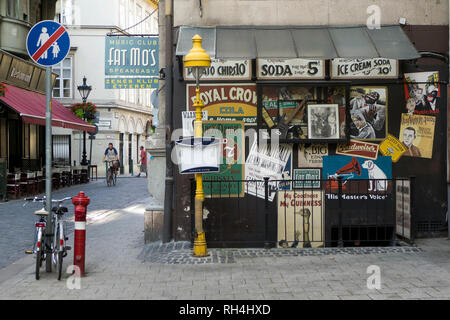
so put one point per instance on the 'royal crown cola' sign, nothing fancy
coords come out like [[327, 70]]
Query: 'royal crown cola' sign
[[134, 59]]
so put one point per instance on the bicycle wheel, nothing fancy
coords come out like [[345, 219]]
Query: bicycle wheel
[[59, 262], [108, 177], [38, 263]]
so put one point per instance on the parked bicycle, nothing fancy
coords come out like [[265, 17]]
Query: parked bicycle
[[57, 249], [111, 173]]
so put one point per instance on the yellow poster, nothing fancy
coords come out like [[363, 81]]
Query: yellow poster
[[392, 147], [301, 219], [417, 134]]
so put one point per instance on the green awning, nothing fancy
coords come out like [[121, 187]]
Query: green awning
[[299, 42]]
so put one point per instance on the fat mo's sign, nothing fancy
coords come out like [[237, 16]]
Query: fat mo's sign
[[135, 59]]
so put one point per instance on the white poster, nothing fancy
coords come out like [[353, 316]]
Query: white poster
[[187, 118], [276, 164]]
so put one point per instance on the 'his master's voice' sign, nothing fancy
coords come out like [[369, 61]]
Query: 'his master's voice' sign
[[131, 62]]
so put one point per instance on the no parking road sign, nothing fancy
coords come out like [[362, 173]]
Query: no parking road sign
[[48, 43]]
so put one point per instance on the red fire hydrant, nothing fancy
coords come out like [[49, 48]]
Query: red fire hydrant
[[81, 202]]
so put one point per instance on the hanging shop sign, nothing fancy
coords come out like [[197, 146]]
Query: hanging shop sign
[[311, 156], [222, 69], [307, 178], [358, 149], [187, 119], [276, 164], [233, 159], [131, 83], [290, 69], [22, 73], [375, 68], [300, 219], [226, 102], [417, 134], [392, 147], [422, 92], [134, 59], [403, 208]]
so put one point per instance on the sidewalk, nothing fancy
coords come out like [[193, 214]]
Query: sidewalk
[[120, 266]]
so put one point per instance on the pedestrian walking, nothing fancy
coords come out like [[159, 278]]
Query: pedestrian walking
[[143, 162]]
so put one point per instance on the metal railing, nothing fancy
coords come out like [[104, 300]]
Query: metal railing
[[306, 213]]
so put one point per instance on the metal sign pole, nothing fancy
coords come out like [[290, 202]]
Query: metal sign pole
[[48, 162]]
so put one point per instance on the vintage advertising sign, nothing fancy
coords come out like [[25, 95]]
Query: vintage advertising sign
[[392, 147], [300, 219], [417, 135], [131, 57], [368, 112], [226, 102], [422, 92], [307, 178], [379, 172], [187, 119], [358, 149], [131, 83], [290, 69], [323, 121], [224, 69], [276, 164], [375, 68], [233, 159], [403, 208], [311, 156]]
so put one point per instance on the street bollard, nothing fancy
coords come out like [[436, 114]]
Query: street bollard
[[81, 202]]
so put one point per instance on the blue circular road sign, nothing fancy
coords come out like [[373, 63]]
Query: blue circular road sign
[[48, 43]]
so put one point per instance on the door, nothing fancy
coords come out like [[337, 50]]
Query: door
[[130, 154], [121, 153]]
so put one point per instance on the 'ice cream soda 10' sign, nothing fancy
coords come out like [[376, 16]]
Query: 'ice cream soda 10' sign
[[364, 68], [226, 102], [222, 69], [290, 69]]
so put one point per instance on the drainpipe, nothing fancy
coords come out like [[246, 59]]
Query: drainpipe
[[168, 198]]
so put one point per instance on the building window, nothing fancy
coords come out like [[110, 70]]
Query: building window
[[148, 23], [63, 83], [131, 16], [30, 141], [138, 18], [64, 11], [12, 9], [123, 14]]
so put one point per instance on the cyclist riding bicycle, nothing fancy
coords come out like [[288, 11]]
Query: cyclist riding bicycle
[[111, 154]]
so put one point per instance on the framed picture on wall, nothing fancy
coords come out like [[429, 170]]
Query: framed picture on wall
[[323, 121], [368, 112]]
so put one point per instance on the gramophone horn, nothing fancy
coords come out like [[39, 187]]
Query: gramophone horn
[[352, 166]]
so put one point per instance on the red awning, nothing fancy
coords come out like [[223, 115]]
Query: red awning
[[31, 107]]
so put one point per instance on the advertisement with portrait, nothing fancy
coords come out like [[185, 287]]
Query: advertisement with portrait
[[417, 135], [422, 92]]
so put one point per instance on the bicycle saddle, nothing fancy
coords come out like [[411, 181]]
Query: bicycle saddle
[[41, 212]]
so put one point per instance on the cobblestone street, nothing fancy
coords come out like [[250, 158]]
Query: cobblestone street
[[120, 266]]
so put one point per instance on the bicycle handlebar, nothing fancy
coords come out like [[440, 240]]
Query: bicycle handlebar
[[36, 199]]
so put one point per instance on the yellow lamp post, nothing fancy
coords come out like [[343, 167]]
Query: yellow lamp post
[[197, 59]]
